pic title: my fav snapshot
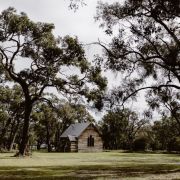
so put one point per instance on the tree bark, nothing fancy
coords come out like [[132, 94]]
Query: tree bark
[[130, 142], [48, 137], [11, 143], [57, 139], [13, 134], [25, 134], [38, 145]]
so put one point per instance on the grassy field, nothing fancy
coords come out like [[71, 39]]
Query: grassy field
[[106, 165]]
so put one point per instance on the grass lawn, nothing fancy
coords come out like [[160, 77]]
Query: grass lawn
[[105, 165]]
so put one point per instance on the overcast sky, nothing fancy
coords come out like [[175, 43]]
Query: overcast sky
[[80, 23], [67, 22]]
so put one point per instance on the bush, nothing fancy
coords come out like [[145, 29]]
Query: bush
[[174, 144], [140, 144], [154, 145]]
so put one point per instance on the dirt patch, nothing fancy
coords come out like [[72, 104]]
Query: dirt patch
[[124, 175]]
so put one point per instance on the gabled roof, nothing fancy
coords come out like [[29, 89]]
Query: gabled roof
[[75, 130]]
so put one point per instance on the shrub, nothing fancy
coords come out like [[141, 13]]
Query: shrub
[[140, 144], [174, 144]]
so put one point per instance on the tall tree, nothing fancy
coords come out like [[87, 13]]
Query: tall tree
[[11, 108], [113, 127], [119, 128], [46, 124], [50, 120], [146, 47], [165, 134], [166, 102], [48, 59]]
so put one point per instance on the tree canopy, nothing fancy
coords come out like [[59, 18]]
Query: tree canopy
[[120, 128], [145, 45]]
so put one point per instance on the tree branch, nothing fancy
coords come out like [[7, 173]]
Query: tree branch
[[150, 87]]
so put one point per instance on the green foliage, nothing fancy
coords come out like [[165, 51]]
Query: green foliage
[[167, 98], [113, 127], [146, 51], [146, 46], [49, 57], [50, 121], [174, 144], [164, 134], [140, 144], [119, 128], [70, 113], [11, 111]]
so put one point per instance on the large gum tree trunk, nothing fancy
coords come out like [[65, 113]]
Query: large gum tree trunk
[[23, 149]]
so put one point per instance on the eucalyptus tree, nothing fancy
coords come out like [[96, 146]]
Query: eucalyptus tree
[[45, 124], [166, 134], [167, 103], [47, 60], [11, 109], [113, 127], [3, 119], [120, 128], [50, 120], [145, 45], [70, 113]]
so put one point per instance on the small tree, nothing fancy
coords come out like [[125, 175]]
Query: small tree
[[166, 102], [165, 132], [113, 127]]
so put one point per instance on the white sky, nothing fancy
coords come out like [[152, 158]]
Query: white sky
[[67, 22], [79, 23]]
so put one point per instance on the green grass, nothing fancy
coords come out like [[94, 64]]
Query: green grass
[[106, 165]]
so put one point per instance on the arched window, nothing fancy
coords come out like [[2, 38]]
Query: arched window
[[90, 141]]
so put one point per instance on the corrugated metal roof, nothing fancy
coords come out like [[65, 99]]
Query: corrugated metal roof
[[75, 129]]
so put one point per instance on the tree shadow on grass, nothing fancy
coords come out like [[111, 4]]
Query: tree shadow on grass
[[84, 172]]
